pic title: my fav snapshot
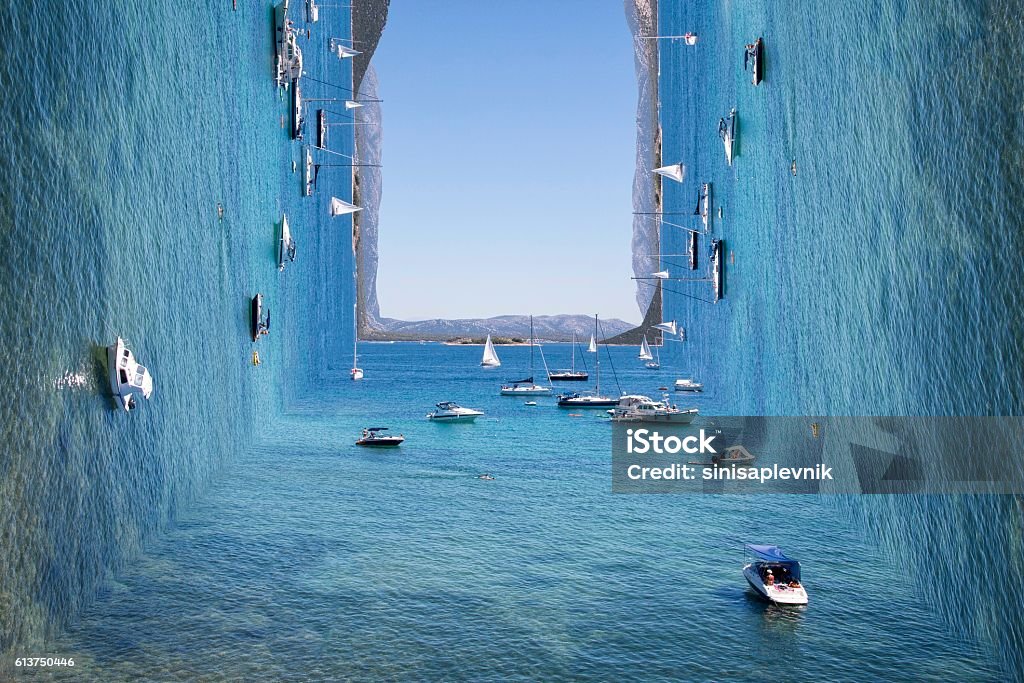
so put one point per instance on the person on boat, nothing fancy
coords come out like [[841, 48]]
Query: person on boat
[[769, 579]]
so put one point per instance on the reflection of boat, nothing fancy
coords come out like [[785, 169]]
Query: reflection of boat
[[374, 436], [286, 248], [688, 385], [526, 386], [734, 455], [717, 269], [127, 377], [451, 412], [774, 576], [636, 408], [356, 372], [258, 324], [589, 399], [755, 54], [572, 374], [490, 358], [727, 131]]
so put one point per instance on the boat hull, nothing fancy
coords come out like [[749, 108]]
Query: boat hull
[[587, 403], [683, 417], [525, 391], [568, 376], [780, 595], [255, 313], [452, 418], [758, 56], [382, 442]]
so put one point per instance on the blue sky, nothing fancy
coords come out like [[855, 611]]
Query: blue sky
[[509, 143]]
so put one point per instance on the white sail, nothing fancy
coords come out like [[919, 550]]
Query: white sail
[[661, 275], [490, 358], [593, 345], [676, 172], [669, 327], [346, 52], [351, 104], [645, 350], [340, 207]]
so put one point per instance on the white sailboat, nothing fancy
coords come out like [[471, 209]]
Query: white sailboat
[[727, 131], [339, 207], [352, 104], [645, 350], [490, 359], [593, 345], [527, 386], [309, 173], [356, 372], [286, 249], [675, 171], [345, 52]]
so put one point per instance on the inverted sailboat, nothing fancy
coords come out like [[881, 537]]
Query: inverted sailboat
[[727, 131]]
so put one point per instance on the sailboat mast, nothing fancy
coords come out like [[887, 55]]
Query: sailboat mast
[[355, 335], [574, 353], [531, 348], [598, 387]]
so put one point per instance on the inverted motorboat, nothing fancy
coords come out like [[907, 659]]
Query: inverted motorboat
[[638, 408], [774, 576], [127, 377], [375, 437], [452, 412]]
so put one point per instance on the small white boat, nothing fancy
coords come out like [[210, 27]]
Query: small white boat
[[637, 408], [704, 206], [530, 403], [690, 38], [688, 384], [309, 173], [774, 576], [727, 131], [286, 248], [127, 377], [593, 345], [452, 412], [490, 359]]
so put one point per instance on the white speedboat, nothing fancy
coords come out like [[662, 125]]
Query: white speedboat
[[754, 54], [451, 412], [127, 377], [774, 576], [637, 408], [688, 384], [375, 437]]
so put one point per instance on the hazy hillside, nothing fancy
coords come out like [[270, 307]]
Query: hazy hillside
[[550, 327]]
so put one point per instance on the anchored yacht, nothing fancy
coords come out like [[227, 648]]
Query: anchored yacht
[[637, 408], [452, 412]]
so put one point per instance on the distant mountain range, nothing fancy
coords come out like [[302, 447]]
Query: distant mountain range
[[547, 327]]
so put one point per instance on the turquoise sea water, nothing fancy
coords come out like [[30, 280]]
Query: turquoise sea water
[[230, 529]]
